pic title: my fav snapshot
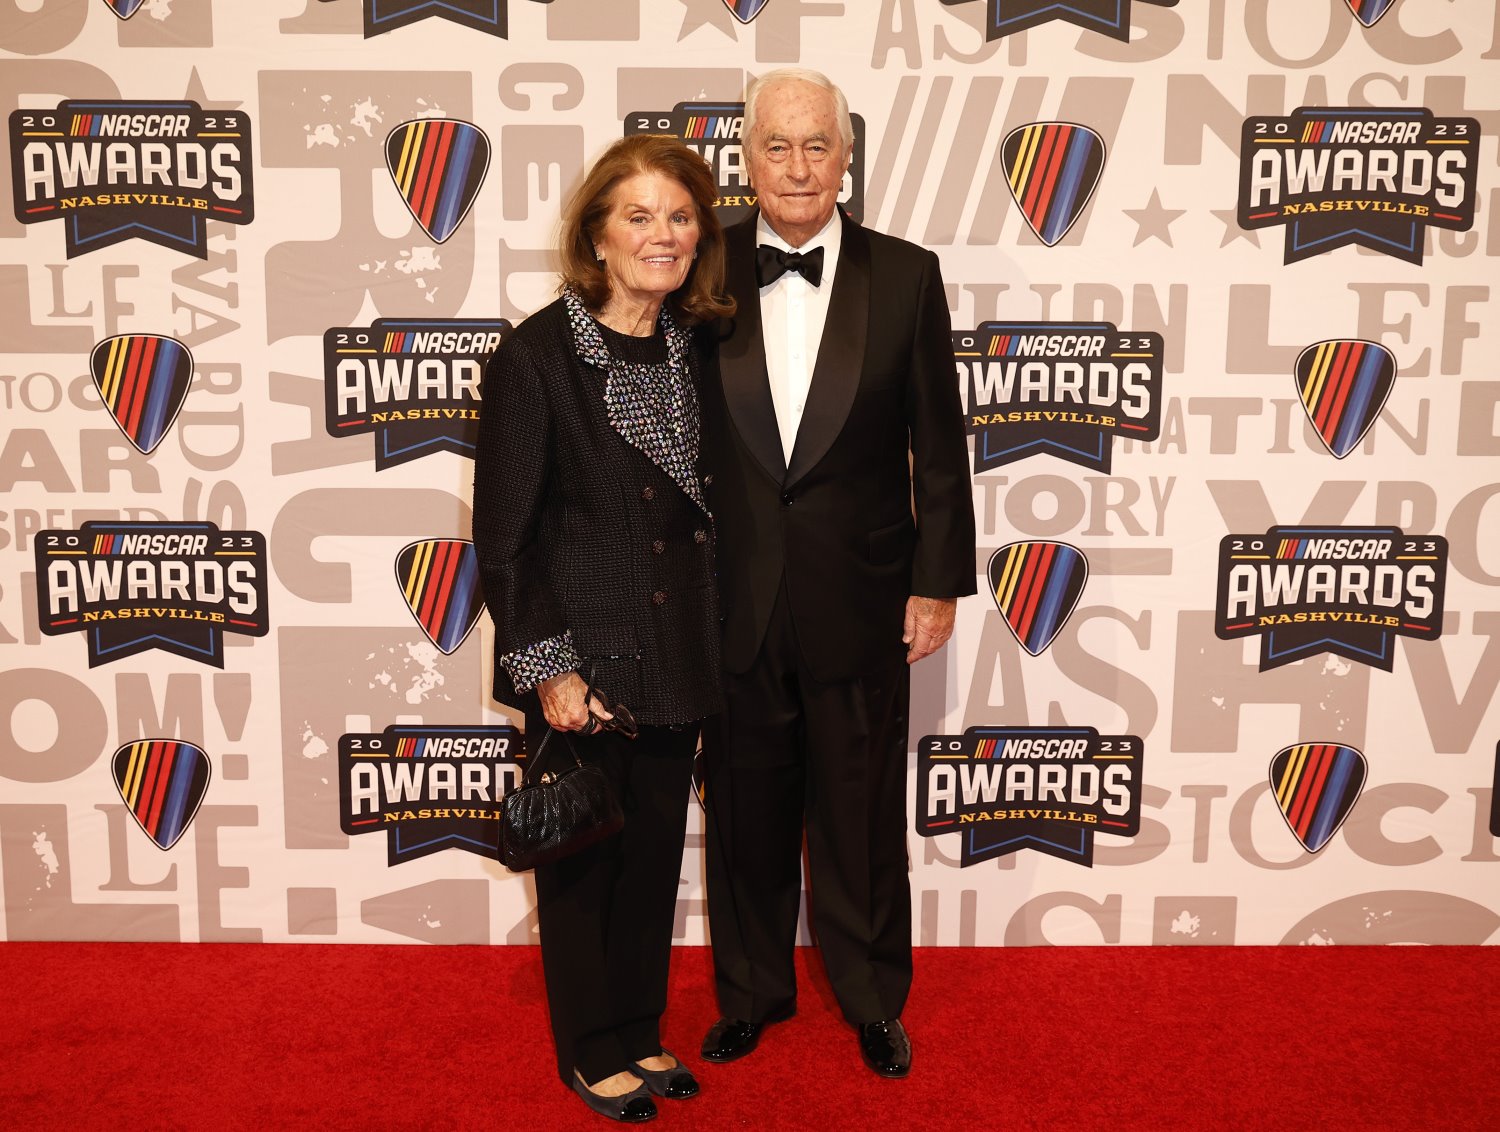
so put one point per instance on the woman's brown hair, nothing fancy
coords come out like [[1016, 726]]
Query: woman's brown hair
[[701, 296]]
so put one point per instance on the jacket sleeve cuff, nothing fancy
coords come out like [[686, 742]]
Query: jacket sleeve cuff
[[529, 666]]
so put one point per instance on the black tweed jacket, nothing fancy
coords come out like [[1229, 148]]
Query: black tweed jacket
[[577, 530]]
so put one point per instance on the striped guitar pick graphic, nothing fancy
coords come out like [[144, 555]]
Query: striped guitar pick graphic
[[1316, 785], [1053, 168], [745, 10], [1368, 11], [439, 578], [162, 782], [1344, 384], [124, 8], [1036, 585], [438, 165], [143, 379]]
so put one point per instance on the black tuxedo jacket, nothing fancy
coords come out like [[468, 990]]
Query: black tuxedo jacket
[[874, 504]]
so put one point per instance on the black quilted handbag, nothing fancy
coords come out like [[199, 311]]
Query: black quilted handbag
[[557, 814]]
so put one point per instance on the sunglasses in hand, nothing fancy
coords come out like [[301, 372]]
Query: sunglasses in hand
[[621, 719]]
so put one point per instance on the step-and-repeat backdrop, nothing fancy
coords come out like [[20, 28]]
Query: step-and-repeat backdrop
[[1222, 283]]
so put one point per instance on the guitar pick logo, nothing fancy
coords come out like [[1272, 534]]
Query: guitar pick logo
[[124, 8], [162, 782], [439, 578], [438, 165], [143, 380], [1344, 384], [745, 10], [1316, 785], [1036, 585], [1053, 168], [1368, 12]]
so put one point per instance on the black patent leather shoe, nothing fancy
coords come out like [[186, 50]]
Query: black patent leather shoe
[[731, 1038], [675, 1084], [634, 1107], [885, 1047]]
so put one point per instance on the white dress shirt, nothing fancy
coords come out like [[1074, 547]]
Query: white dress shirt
[[792, 314]]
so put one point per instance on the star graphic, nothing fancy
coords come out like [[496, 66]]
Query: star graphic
[[1153, 220], [196, 93], [701, 13], [1232, 229]]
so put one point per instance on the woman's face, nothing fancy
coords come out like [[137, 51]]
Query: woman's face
[[648, 238]]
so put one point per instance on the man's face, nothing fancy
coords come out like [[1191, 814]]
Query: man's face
[[797, 158]]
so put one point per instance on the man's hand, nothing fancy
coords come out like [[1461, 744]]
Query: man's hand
[[929, 624], [563, 703]]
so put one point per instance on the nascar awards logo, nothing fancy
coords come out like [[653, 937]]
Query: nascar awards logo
[[429, 788], [113, 171], [131, 587], [714, 130], [162, 782], [1036, 586], [438, 165], [1111, 17], [490, 16], [1066, 388], [1343, 384], [1356, 175], [1045, 788], [1316, 786], [1052, 169], [413, 382], [1345, 590], [439, 578], [143, 379]]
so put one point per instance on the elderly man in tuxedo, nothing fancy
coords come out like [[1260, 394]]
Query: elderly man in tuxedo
[[841, 496]]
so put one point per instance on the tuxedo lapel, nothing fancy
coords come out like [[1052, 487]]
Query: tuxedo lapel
[[742, 356], [841, 354]]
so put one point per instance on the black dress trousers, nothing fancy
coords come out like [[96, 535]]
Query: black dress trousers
[[790, 751], [606, 914]]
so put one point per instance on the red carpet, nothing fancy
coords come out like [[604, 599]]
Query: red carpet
[[133, 1036]]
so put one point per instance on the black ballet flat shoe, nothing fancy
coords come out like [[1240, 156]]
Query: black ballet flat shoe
[[885, 1048], [634, 1107], [675, 1084]]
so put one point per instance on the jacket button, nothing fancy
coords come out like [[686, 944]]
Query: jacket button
[[657, 546], [659, 597], [786, 498], [648, 493], [700, 536]]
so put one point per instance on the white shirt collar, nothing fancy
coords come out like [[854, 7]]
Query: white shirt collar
[[830, 237]]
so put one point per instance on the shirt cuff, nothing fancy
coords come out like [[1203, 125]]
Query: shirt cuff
[[528, 667]]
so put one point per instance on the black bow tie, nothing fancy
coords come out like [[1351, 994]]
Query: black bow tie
[[772, 263]]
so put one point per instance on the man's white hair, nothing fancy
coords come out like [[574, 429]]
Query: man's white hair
[[761, 84]]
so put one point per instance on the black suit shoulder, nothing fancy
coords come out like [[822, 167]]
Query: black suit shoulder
[[540, 336], [897, 248]]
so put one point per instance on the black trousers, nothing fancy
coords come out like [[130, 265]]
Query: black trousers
[[790, 753], [606, 913]]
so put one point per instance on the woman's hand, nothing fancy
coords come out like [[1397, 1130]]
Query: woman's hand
[[563, 703]]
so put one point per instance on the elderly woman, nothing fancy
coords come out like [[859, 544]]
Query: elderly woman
[[596, 551]]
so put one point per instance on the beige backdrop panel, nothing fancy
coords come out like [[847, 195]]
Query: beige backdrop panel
[[1157, 248]]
